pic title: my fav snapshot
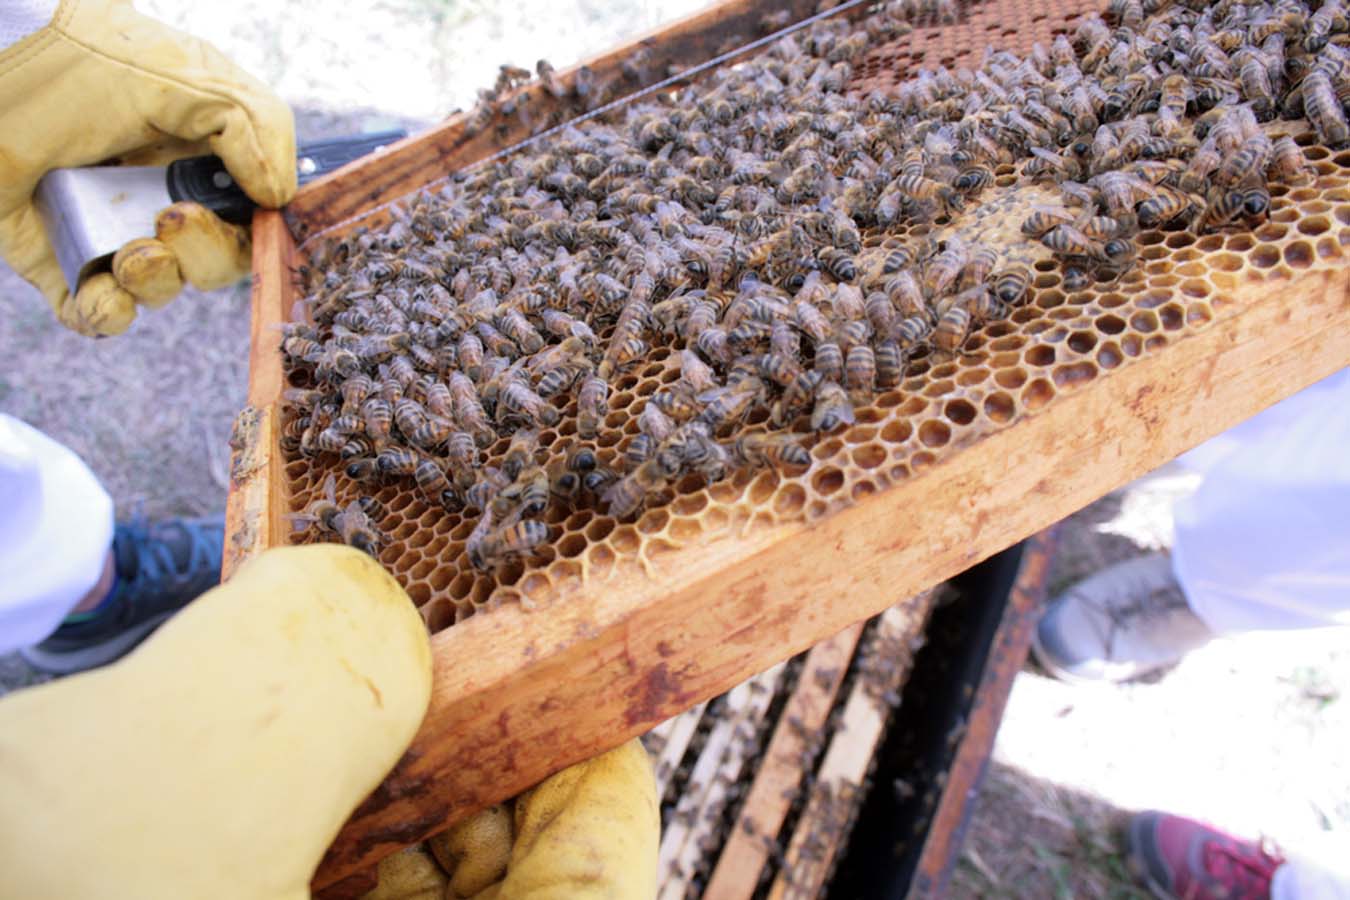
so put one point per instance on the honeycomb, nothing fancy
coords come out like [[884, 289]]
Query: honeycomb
[[1055, 343]]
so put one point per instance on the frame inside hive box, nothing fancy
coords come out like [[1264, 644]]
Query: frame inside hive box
[[1073, 396]]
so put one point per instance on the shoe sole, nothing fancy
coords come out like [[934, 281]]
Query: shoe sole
[[93, 656]]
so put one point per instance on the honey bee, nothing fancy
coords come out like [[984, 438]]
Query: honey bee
[[981, 263], [1287, 160], [905, 293], [890, 363], [323, 511], [941, 273], [860, 370], [696, 373], [462, 458], [829, 361], [1076, 278], [626, 496], [469, 413], [592, 405], [564, 325], [811, 321], [759, 448], [433, 484], [1249, 162], [528, 493], [378, 417], [488, 483], [832, 408], [502, 544], [357, 530], [952, 327], [1165, 206], [880, 312], [520, 452], [838, 263], [470, 355], [517, 399], [1324, 110], [1011, 284]]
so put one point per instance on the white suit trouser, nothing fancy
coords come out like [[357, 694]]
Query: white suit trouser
[[56, 526]]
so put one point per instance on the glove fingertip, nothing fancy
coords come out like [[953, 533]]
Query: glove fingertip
[[100, 308]]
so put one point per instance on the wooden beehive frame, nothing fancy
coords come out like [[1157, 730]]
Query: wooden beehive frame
[[519, 695]]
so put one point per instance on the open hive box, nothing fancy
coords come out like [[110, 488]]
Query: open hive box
[[618, 623]]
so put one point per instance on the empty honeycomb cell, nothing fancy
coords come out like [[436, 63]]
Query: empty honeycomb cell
[[1109, 355], [816, 509], [860, 434], [828, 480], [690, 504], [1049, 299], [1037, 393], [1172, 316], [624, 539], [959, 412], [600, 557], [1226, 262], [1008, 343], [1149, 238], [1343, 214], [889, 399], [438, 616], [1151, 254], [684, 529], [1265, 256], [1164, 281], [653, 521], [1111, 301], [1284, 216], [1328, 248], [1209, 243], [461, 585], [921, 460], [999, 406], [1155, 343], [913, 406], [1073, 375], [862, 489], [600, 529], [939, 388], [1199, 314], [1011, 378], [934, 433], [1082, 341], [1152, 298], [944, 370], [404, 531], [1039, 355], [897, 431], [422, 569], [1045, 265], [827, 449], [1160, 267], [1178, 240], [297, 469], [1191, 270], [1313, 225], [1271, 231], [1195, 287], [1046, 280], [571, 544], [1131, 344], [1145, 320], [790, 499], [972, 377], [762, 488], [1298, 255], [1025, 314]]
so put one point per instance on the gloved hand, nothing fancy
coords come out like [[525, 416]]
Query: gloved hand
[[590, 831], [220, 758], [103, 82]]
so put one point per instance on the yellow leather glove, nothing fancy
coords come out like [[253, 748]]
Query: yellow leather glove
[[102, 83], [590, 831], [220, 758]]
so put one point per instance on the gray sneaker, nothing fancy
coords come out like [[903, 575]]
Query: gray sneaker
[[160, 569], [1124, 622]]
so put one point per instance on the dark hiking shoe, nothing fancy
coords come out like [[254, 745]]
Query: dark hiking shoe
[[160, 568]]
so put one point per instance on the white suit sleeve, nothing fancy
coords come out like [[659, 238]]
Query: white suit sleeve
[[20, 18], [1265, 541], [56, 526]]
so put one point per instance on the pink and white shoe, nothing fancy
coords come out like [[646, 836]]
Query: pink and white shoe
[[1182, 859]]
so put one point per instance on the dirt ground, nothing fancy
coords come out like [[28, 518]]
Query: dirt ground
[[1249, 733]]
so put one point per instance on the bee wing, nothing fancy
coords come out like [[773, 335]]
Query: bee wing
[[330, 487], [300, 521]]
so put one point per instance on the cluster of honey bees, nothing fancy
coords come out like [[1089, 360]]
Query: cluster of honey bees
[[723, 223]]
